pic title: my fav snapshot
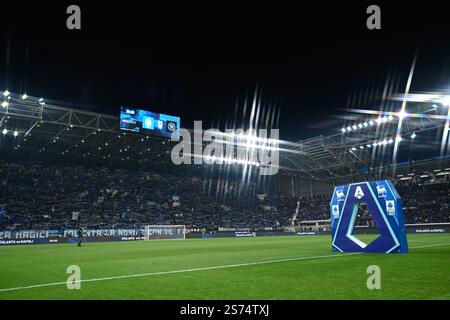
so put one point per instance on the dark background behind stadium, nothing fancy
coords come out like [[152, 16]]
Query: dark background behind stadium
[[196, 62]]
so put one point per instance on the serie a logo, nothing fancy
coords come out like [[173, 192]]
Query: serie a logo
[[384, 205]]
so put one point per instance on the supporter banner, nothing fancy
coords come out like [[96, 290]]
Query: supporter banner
[[44, 234]]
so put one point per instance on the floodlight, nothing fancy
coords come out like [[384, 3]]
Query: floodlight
[[343, 130], [16, 133], [5, 104], [6, 93], [446, 101], [413, 136], [401, 114], [5, 131], [24, 96]]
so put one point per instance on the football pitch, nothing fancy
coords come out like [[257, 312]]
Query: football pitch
[[282, 267]]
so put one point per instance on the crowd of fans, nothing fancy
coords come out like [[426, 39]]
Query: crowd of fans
[[50, 197]]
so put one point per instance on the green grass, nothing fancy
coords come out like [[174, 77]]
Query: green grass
[[424, 273]]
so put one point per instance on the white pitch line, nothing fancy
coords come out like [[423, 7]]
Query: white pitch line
[[202, 269], [181, 271]]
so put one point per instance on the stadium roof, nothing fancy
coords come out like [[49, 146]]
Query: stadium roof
[[34, 126]]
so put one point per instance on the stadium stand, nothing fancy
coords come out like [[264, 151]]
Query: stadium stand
[[36, 196]]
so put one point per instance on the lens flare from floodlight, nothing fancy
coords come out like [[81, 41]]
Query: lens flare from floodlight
[[5, 104], [24, 96], [6, 93], [402, 114]]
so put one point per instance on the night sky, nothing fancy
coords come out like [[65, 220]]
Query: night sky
[[196, 62]]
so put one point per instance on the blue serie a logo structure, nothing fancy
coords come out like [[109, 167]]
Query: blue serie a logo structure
[[384, 205]]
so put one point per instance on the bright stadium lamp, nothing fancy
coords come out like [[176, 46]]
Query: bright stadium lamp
[[5, 131], [401, 114], [413, 136], [349, 129], [15, 133], [6, 93], [24, 96], [5, 104], [446, 101], [343, 130]]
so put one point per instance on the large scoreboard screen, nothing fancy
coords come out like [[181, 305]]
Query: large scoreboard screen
[[142, 121]]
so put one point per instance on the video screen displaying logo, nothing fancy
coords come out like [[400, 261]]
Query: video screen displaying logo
[[142, 121]]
